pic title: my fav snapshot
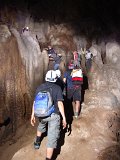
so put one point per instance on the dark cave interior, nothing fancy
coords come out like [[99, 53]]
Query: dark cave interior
[[92, 18]]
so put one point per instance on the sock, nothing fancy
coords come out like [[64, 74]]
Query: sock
[[76, 114], [38, 139]]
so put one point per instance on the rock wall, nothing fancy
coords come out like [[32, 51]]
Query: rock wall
[[100, 113], [23, 68], [15, 96]]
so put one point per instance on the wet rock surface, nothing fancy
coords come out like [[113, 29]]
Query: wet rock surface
[[24, 64], [4, 33]]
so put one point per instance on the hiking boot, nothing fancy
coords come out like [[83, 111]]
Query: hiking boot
[[36, 145], [76, 117]]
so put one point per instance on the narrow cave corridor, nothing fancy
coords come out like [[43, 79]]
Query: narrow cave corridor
[[27, 28]]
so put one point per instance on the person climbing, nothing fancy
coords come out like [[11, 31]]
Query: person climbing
[[53, 56], [51, 52], [76, 59], [53, 118], [73, 92], [57, 61], [25, 29], [88, 58]]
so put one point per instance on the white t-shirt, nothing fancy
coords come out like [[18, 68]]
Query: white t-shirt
[[88, 55]]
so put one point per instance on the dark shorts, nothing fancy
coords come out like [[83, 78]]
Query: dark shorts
[[74, 93]]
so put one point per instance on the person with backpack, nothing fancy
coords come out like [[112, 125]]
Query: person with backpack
[[47, 106], [73, 91], [57, 61], [53, 56], [77, 76], [51, 52]]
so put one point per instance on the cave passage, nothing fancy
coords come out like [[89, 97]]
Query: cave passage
[[27, 28]]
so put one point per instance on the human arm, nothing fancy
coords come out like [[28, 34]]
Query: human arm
[[64, 80], [61, 106], [61, 109], [64, 86], [32, 116]]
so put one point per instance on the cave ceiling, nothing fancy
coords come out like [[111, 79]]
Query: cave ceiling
[[102, 15]]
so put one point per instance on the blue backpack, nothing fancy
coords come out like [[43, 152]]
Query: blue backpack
[[43, 104]]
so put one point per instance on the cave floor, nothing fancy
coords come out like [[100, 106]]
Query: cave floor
[[22, 147]]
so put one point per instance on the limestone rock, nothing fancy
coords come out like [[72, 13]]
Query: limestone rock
[[4, 33]]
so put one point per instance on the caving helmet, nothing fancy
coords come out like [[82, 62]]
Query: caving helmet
[[51, 76], [58, 73]]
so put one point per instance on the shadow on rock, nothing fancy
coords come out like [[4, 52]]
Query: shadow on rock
[[110, 153]]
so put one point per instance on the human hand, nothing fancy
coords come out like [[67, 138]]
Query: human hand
[[64, 123]]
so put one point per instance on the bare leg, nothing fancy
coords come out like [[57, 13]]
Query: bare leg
[[77, 109], [77, 106], [73, 104], [49, 152]]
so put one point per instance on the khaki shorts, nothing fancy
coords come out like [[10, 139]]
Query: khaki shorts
[[53, 129]]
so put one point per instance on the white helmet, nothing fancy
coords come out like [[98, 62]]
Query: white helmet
[[58, 73], [51, 76]]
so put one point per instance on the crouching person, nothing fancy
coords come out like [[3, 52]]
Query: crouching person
[[47, 106]]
